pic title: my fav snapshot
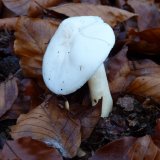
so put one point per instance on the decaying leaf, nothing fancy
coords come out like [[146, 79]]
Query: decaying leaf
[[51, 124], [111, 15], [8, 94], [118, 71], [8, 23], [146, 86], [29, 96], [156, 134], [139, 77], [149, 16], [145, 42], [29, 7], [129, 148], [32, 38], [28, 149], [88, 116]]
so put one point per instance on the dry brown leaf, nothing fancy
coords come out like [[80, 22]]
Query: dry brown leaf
[[146, 86], [51, 124], [118, 71], [129, 148], [8, 23], [88, 116], [149, 16], [29, 7], [139, 77], [89, 120], [145, 42], [156, 134], [8, 94], [28, 149], [111, 15], [32, 37], [144, 148], [29, 96]]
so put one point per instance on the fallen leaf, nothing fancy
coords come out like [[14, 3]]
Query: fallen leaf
[[128, 148], [115, 150], [29, 7], [118, 71], [110, 15], [8, 94], [88, 116], [51, 124], [146, 86], [29, 89], [8, 23], [29, 96], [27, 148], [89, 120], [149, 16], [145, 42], [144, 148], [139, 77], [32, 37], [21, 105]]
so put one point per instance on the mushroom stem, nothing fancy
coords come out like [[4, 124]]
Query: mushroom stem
[[98, 86]]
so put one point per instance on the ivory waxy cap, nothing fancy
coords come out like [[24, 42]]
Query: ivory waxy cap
[[75, 52]]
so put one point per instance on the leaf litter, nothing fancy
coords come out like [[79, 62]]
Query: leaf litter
[[133, 73]]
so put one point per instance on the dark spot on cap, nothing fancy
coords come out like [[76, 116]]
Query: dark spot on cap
[[95, 100]]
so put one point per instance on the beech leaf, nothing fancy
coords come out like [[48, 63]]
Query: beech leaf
[[88, 116], [29, 149], [148, 13], [146, 86], [28, 98], [139, 77], [32, 37], [145, 42], [29, 7], [8, 94], [111, 15], [118, 70], [51, 124], [128, 148], [8, 23]]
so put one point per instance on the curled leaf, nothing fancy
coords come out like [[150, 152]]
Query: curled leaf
[[111, 15]]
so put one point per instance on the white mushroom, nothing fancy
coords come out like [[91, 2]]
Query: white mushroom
[[76, 54]]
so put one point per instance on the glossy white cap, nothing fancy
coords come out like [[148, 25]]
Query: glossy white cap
[[75, 52]]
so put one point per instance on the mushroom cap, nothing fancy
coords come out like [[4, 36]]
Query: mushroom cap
[[75, 52]]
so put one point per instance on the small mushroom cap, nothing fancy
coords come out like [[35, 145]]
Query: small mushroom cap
[[77, 49]]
